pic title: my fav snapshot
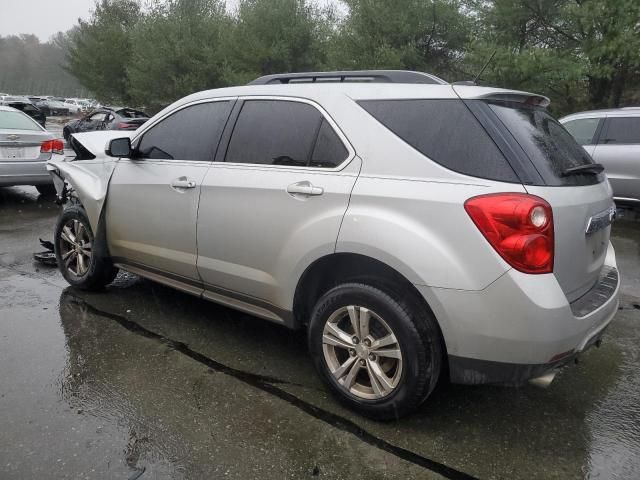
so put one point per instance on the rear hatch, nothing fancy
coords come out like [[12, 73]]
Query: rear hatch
[[543, 153]]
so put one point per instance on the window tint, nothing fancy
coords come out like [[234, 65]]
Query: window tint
[[329, 151], [583, 129], [275, 132], [623, 130], [551, 149], [192, 133], [17, 121], [446, 132]]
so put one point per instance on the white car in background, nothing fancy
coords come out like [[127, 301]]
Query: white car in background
[[75, 106]]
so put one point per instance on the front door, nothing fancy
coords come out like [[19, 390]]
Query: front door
[[275, 203], [152, 203]]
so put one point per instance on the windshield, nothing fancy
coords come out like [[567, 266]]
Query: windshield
[[16, 121], [549, 146]]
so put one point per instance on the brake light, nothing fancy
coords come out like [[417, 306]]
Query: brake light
[[518, 226], [52, 146]]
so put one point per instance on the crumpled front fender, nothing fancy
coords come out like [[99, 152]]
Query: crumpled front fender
[[88, 178], [90, 181]]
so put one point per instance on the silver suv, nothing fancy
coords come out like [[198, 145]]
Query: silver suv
[[612, 138], [417, 229]]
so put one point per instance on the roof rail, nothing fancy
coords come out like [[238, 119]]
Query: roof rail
[[376, 76]]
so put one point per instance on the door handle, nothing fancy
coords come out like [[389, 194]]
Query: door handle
[[183, 182], [304, 188]]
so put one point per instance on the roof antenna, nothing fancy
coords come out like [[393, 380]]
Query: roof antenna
[[475, 80]]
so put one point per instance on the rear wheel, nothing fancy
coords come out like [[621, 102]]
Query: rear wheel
[[82, 257], [66, 133], [380, 356]]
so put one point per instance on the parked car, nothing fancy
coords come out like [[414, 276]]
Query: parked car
[[55, 107], [106, 118], [612, 138], [415, 228], [24, 149], [25, 105], [74, 105]]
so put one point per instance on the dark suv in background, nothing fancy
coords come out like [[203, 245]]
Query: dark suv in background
[[106, 118]]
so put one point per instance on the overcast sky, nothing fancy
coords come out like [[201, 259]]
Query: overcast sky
[[41, 17]]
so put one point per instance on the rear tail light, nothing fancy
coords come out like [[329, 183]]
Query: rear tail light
[[52, 146], [518, 226]]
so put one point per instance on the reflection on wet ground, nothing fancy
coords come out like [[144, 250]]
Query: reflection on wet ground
[[144, 381]]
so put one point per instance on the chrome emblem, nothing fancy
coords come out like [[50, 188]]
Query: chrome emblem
[[601, 220], [13, 136]]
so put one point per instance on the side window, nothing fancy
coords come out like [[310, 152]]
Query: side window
[[192, 133], [583, 129], [279, 132], [98, 117], [329, 151], [622, 130], [446, 132]]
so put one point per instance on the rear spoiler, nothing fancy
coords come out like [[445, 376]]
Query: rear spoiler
[[468, 92]]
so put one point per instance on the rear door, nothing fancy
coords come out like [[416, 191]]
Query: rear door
[[277, 201], [619, 151], [576, 199], [152, 202]]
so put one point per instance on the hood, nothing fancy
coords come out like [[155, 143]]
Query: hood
[[96, 142]]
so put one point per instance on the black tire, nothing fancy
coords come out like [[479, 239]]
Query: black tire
[[66, 133], [48, 190], [418, 337], [98, 271]]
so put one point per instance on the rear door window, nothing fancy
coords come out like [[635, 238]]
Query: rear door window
[[280, 132], [549, 146], [583, 129], [622, 130], [446, 132], [192, 133]]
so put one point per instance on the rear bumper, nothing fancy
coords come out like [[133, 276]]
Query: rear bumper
[[24, 173], [521, 326]]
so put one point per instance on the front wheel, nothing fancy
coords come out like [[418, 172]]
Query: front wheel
[[82, 257], [379, 355]]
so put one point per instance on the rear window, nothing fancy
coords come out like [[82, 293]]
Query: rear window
[[446, 132], [549, 146], [17, 121], [622, 130]]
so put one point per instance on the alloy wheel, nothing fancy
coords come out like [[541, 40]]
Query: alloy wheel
[[362, 352], [76, 247]]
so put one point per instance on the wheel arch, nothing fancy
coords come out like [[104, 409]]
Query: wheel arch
[[331, 270]]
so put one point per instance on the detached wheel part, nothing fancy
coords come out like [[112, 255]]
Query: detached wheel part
[[380, 356], [82, 257], [47, 190]]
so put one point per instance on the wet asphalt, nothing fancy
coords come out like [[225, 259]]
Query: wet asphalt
[[141, 381]]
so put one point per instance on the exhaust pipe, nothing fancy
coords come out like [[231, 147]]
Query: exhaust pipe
[[543, 381]]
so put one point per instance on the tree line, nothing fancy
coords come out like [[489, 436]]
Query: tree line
[[581, 53]]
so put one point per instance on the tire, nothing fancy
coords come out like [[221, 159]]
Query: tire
[[48, 190], [409, 379], [66, 133], [89, 268]]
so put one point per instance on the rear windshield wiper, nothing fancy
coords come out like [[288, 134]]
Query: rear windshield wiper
[[594, 168]]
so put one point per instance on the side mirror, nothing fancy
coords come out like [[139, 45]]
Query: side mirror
[[119, 147]]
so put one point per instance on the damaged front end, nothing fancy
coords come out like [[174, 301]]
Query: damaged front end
[[84, 179]]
